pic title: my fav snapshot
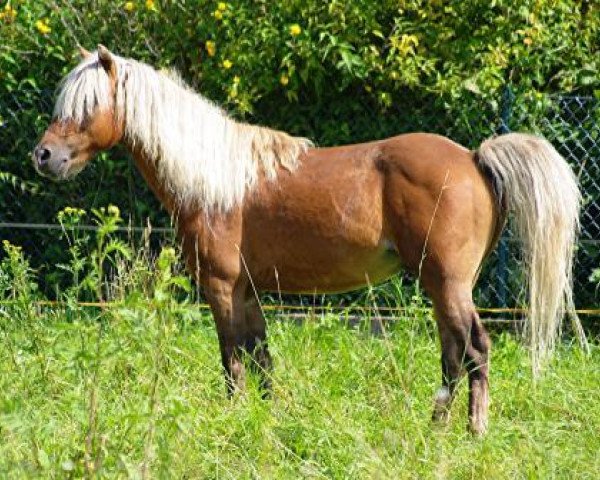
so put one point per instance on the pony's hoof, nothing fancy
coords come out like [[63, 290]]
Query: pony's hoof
[[441, 407], [441, 416], [266, 391], [478, 427]]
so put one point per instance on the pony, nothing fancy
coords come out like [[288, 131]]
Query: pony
[[260, 210]]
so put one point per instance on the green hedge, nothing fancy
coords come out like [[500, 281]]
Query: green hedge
[[335, 71], [242, 52], [296, 64]]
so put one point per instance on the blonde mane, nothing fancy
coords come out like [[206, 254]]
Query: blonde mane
[[202, 156]]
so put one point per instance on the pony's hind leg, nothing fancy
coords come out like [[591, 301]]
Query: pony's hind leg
[[465, 346], [256, 343]]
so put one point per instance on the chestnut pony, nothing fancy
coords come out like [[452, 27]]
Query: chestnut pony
[[259, 210]]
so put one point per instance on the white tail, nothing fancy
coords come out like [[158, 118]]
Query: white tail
[[541, 191]]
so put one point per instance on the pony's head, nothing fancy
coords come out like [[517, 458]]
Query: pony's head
[[199, 154], [85, 120]]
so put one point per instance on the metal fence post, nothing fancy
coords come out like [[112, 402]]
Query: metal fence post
[[502, 274]]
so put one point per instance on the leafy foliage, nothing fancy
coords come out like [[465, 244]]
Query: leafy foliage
[[16, 276], [404, 65], [321, 47]]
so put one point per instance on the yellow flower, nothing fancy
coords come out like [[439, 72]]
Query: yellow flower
[[11, 249], [70, 216], [295, 30], [114, 211], [227, 64], [236, 80], [9, 246], [218, 14], [405, 44], [42, 26], [168, 253], [211, 48], [9, 13], [527, 41], [222, 6], [129, 6], [284, 79], [150, 5]]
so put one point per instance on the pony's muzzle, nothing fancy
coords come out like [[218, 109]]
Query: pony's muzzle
[[51, 160]]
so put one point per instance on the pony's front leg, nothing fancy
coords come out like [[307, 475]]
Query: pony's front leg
[[226, 300], [256, 343]]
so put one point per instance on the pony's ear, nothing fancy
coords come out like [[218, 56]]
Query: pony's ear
[[85, 54], [107, 61]]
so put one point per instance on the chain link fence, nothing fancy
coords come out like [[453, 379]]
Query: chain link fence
[[571, 123]]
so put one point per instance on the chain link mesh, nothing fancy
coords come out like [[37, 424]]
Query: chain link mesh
[[570, 123]]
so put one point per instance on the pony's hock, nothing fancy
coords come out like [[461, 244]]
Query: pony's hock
[[259, 209]]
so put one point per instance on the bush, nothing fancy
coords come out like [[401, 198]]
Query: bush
[[243, 51], [409, 65]]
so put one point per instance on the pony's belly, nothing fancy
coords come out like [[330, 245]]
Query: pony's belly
[[351, 272]]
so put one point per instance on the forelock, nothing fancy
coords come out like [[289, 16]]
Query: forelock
[[84, 89]]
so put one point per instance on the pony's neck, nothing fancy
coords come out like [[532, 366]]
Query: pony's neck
[[199, 155], [149, 172]]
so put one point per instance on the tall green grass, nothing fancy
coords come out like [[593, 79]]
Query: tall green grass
[[136, 391], [346, 404]]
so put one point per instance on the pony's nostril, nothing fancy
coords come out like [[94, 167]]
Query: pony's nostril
[[43, 155]]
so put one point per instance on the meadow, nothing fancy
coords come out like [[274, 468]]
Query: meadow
[[134, 394], [135, 390]]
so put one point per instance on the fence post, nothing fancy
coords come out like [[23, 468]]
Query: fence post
[[502, 275]]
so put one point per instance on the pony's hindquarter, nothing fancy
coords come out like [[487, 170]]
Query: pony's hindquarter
[[445, 219], [448, 206], [540, 189]]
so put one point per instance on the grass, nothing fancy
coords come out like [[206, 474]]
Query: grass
[[135, 393]]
